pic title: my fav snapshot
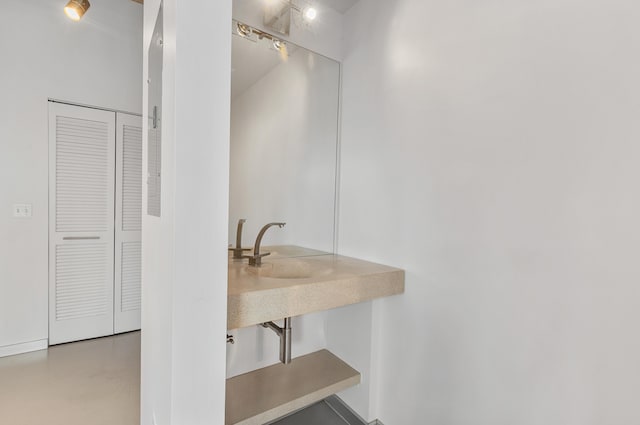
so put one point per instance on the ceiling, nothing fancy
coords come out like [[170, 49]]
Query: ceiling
[[339, 5]]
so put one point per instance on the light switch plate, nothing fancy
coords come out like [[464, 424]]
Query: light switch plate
[[22, 210]]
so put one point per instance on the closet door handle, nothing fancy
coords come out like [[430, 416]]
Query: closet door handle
[[80, 238]]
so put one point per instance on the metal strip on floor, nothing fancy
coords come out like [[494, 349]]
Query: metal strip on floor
[[330, 411]]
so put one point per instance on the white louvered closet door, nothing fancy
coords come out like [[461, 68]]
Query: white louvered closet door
[[128, 222], [81, 222]]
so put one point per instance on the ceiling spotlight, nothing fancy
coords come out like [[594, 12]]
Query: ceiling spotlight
[[281, 47], [310, 13], [76, 8], [243, 30]]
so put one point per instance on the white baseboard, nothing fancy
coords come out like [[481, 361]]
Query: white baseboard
[[25, 347]]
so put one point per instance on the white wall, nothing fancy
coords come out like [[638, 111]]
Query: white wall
[[256, 347], [45, 55], [184, 308], [491, 149]]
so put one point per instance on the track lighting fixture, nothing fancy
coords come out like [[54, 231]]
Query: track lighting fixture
[[256, 35], [243, 30]]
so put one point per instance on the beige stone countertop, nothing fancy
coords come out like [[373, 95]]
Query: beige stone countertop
[[287, 287]]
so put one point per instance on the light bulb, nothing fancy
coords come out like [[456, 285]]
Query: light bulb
[[281, 47], [75, 9], [310, 13], [243, 30], [72, 13]]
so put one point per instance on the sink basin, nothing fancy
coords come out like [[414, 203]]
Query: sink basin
[[287, 287], [282, 270]]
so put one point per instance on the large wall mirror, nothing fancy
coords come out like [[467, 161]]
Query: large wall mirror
[[284, 137]]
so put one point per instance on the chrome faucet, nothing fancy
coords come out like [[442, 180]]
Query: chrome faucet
[[255, 260], [238, 250]]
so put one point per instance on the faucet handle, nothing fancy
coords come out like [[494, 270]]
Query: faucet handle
[[237, 252], [256, 259]]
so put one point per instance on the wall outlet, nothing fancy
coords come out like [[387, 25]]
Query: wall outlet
[[22, 210]]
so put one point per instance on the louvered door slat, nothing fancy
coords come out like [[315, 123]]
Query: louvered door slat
[[132, 178], [82, 168], [82, 183], [131, 275], [128, 223]]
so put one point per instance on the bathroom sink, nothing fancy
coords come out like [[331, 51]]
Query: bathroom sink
[[290, 251], [287, 287], [282, 270]]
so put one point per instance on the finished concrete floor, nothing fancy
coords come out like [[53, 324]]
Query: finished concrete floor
[[94, 382]]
